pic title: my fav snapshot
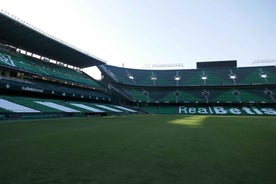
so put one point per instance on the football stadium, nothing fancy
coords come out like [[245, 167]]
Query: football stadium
[[212, 124]]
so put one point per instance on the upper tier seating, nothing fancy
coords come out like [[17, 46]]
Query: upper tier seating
[[193, 77], [32, 65]]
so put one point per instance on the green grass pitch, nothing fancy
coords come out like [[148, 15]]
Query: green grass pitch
[[139, 149]]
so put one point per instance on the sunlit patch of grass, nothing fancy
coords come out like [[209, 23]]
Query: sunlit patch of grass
[[190, 121]]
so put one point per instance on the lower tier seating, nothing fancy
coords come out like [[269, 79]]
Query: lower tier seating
[[18, 104]]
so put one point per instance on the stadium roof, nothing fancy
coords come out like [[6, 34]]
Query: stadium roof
[[21, 35]]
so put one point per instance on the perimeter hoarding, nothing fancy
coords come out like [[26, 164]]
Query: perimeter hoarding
[[219, 110]]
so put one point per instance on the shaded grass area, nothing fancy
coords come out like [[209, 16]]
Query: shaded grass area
[[139, 149]]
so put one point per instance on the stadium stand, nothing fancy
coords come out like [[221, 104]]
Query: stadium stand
[[192, 77], [26, 106], [163, 91], [20, 62], [50, 88], [43, 77]]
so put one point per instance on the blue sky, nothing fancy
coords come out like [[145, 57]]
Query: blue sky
[[139, 32]]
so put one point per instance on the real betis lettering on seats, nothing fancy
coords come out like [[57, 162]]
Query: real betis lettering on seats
[[217, 110]]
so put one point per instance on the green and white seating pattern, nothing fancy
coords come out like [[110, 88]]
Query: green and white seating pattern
[[50, 70], [192, 77], [16, 104]]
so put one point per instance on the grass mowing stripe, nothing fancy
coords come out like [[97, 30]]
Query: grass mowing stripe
[[139, 149]]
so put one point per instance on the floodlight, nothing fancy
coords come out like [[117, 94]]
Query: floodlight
[[153, 78], [131, 77], [204, 77], [177, 78], [233, 76], [263, 75]]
